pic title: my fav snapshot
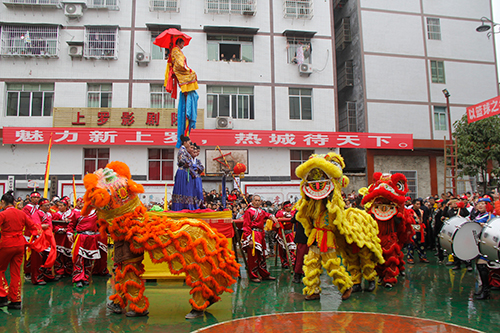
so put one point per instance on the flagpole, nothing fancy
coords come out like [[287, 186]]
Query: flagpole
[[47, 170], [74, 192], [165, 204]]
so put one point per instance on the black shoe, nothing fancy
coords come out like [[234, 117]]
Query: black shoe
[[469, 268], [450, 263], [371, 286], [297, 278], [388, 285], [3, 301], [14, 305], [356, 288], [41, 283], [27, 277], [136, 314], [479, 292], [402, 273], [485, 294], [456, 268], [79, 284], [115, 307], [194, 314]]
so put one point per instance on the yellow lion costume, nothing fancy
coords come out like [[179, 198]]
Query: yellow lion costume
[[331, 229], [188, 245]]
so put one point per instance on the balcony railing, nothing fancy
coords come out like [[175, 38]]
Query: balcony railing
[[240, 7], [164, 5], [104, 4], [345, 75], [47, 3], [343, 34]]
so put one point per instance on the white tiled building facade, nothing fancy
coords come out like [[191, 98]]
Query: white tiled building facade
[[69, 56]]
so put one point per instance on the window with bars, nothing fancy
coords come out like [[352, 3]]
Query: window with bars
[[411, 177], [345, 75], [440, 118], [99, 95], [94, 159], [298, 48], [164, 5], [242, 7], [160, 98], [343, 34], [297, 157], [51, 3], [437, 71], [30, 99], [433, 28], [105, 4], [101, 42], [30, 40], [352, 120], [300, 103], [302, 9], [230, 48], [160, 164], [236, 102]]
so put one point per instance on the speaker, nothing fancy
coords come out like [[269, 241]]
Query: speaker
[[53, 186]]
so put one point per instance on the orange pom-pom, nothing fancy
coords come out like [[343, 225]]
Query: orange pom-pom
[[120, 168], [100, 197], [90, 181], [134, 187]]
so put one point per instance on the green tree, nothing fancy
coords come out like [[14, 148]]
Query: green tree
[[478, 143]]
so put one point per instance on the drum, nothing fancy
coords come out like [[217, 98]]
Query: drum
[[460, 237], [490, 240]]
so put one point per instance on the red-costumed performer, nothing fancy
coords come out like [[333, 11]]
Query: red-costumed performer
[[384, 200], [188, 245]]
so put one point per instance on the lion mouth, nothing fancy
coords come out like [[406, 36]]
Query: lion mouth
[[383, 210], [317, 185]]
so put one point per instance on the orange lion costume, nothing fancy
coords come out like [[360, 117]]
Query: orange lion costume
[[189, 245]]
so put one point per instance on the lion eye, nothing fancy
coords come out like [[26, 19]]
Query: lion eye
[[400, 185]]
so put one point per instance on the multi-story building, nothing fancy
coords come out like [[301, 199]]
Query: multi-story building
[[278, 80]]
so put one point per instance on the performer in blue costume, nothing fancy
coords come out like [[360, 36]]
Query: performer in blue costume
[[183, 195]]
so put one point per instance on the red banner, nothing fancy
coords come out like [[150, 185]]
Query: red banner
[[225, 138], [483, 110]]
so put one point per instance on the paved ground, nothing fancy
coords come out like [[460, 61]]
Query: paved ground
[[429, 291]]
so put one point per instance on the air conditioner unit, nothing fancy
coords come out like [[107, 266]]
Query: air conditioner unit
[[224, 123], [305, 69], [142, 57], [73, 10], [75, 51]]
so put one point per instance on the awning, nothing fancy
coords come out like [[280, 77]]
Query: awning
[[299, 33], [230, 30], [162, 27]]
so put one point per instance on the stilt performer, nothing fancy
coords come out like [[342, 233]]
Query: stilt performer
[[189, 245], [178, 72], [384, 200], [332, 230]]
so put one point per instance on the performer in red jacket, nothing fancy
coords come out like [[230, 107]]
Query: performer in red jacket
[[41, 275], [29, 209], [287, 227], [64, 263], [84, 233], [254, 240], [12, 243]]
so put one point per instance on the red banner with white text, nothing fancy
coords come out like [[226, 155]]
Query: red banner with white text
[[483, 110], [226, 138]]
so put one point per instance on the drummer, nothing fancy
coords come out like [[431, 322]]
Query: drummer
[[455, 210], [485, 209]]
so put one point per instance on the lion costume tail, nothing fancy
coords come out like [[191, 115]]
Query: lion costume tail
[[189, 246]]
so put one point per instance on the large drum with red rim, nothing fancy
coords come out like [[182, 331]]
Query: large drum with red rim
[[460, 237], [490, 240]]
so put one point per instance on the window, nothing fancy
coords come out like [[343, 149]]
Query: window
[[343, 34], [94, 159], [157, 53], [300, 103], [48, 3], [437, 71], [297, 49], [108, 4], [352, 120], [242, 7], [101, 42], [433, 28], [298, 9], [297, 157], [230, 48], [99, 95], [164, 5], [345, 75], [440, 118], [411, 177], [236, 102], [160, 164], [30, 99], [30, 40], [160, 98]]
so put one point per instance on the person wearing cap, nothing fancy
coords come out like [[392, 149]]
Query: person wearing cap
[[485, 209], [29, 209], [63, 264], [285, 212], [41, 275]]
